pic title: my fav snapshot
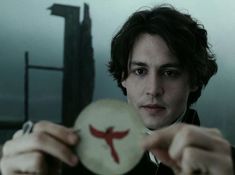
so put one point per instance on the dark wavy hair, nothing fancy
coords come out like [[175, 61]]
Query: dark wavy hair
[[185, 37]]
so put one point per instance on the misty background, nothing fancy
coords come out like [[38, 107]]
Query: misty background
[[27, 25]]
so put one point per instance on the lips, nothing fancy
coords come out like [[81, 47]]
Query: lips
[[153, 108]]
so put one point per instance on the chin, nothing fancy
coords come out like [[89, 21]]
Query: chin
[[155, 124], [152, 125], [152, 122]]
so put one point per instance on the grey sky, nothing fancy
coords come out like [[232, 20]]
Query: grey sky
[[28, 25]]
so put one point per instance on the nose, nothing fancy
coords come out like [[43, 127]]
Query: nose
[[154, 85]]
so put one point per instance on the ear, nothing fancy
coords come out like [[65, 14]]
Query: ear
[[123, 81]]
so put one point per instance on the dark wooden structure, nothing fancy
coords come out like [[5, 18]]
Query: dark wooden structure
[[78, 77], [26, 81], [78, 66]]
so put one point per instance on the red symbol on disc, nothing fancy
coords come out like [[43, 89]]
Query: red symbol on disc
[[108, 136]]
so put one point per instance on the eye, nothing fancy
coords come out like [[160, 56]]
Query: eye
[[171, 73], [140, 71]]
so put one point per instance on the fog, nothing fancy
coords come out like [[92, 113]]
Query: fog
[[27, 25]]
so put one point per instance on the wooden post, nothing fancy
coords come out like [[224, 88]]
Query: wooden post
[[26, 87], [78, 77]]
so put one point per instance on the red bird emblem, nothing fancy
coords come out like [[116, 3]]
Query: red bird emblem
[[108, 136]]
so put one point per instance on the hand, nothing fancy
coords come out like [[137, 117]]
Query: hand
[[40, 152], [189, 149]]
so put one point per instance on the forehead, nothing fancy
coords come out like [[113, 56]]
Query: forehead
[[151, 50]]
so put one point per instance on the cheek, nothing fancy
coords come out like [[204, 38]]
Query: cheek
[[134, 89], [177, 92], [178, 95]]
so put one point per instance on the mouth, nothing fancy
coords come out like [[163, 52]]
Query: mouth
[[153, 108]]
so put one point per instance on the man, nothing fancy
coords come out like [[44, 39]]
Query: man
[[161, 60]]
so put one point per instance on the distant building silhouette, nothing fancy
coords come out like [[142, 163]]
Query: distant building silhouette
[[79, 73]]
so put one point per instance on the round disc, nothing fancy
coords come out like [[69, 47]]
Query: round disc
[[110, 133]]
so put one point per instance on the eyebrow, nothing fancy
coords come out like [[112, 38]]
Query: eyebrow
[[137, 63], [167, 65], [173, 65]]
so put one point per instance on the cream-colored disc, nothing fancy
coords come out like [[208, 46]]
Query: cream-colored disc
[[110, 133]]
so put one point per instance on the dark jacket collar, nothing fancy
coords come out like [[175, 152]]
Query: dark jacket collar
[[191, 117]]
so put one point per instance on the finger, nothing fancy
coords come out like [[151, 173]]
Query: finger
[[183, 134], [203, 138], [29, 163], [195, 159], [159, 142], [40, 142], [162, 138], [17, 134], [66, 135]]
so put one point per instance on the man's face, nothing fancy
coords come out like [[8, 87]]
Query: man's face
[[156, 85]]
